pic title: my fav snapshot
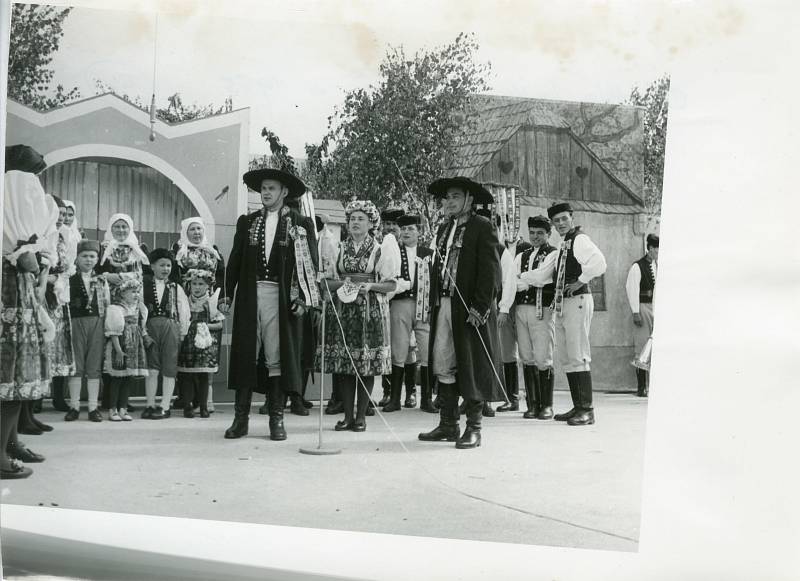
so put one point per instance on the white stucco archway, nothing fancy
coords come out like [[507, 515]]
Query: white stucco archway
[[143, 157]]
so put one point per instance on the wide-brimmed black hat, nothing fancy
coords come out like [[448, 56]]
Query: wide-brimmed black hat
[[540, 222], [254, 177], [480, 195], [391, 215], [409, 220], [558, 208]]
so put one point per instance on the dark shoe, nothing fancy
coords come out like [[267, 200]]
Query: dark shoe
[[545, 414], [344, 426], [428, 406], [334, 408], [529, 415], [470, 439], [546, 394], [392, 407], [147, 414], [72, 415], [158, 413], [60, 406], [15, 472], [238, 429], [306, 404], [277, 432], [441, 433], [370, 411], [19, 452], [387, 389], [566, 416], [178, 403], [582, 418], [509, 407], [167, 414], [488, 412], [204, 412], [188, 412], [95, 416], [30, 430], [42, 426], [263, 410], [411, 401], [359, 426], [297, 407]]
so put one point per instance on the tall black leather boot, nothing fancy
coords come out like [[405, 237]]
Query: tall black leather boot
[[396, 389], [241, 411], [410, 375], [546, 393], [275, 398], [585, 415], [426, 405], [471, 438], [298, 408], [512, 386], [530, 377], [641, 382], [572, 379], [448, 429], [59, 403]]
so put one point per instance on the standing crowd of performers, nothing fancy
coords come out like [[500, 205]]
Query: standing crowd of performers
[[459, 314]]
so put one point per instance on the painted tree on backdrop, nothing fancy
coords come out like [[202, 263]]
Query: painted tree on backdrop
[[414, 117], [36, 32], [655, 100]]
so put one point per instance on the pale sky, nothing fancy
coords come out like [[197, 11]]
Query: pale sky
[[292, 65]]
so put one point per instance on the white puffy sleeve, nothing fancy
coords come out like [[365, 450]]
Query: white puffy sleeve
[[184, 313], [115, 321], [388, 264], [213, 301]]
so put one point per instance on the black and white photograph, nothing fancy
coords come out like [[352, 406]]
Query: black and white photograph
[[328, 268]]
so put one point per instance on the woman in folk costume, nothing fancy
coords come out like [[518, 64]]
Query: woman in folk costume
[[122, 257], [25, 328], [358, 280], [71, 234], [196, 252]]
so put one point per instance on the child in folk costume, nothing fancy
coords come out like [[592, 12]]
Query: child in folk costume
[[199, 352], [167, 307], [125, 357], [195, 251], [89, 299]]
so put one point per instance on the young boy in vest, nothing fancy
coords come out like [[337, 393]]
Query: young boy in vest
[[88, 299], [167, 306]]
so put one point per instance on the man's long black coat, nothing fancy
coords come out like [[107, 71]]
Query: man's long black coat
[[241, 279], [477, 279]]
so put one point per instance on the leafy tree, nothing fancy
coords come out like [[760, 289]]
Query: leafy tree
[[36, 32], [655, 100], [279, 157], [413, 119], [175, 111]]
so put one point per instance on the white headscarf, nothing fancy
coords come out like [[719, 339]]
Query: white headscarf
[[28, 211], [71, 236], [184, 244], [132, 241]]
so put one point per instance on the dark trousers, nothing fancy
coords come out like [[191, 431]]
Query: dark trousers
[[194, 387], [118, 392]]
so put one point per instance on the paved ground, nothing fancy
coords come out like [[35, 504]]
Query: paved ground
[[540, 482]]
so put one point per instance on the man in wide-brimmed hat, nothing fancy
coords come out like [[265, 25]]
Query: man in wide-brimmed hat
[[270, 247], [640, 288], [465, 276], [578, 261]]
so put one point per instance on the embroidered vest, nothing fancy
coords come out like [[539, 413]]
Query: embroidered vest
[[647, 283], [168, 307], [268, 267], [80, 303], [405, 271], [528, 297], [573, 268]]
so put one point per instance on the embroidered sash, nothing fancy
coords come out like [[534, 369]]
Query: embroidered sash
[[306, 277], [423, 309]]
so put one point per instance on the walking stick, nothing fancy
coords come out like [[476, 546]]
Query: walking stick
[[320, 450]]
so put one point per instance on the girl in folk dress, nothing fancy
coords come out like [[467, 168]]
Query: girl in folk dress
[[196, 252], [121, 259], [364, 272], [199, 353], [125, 357]]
